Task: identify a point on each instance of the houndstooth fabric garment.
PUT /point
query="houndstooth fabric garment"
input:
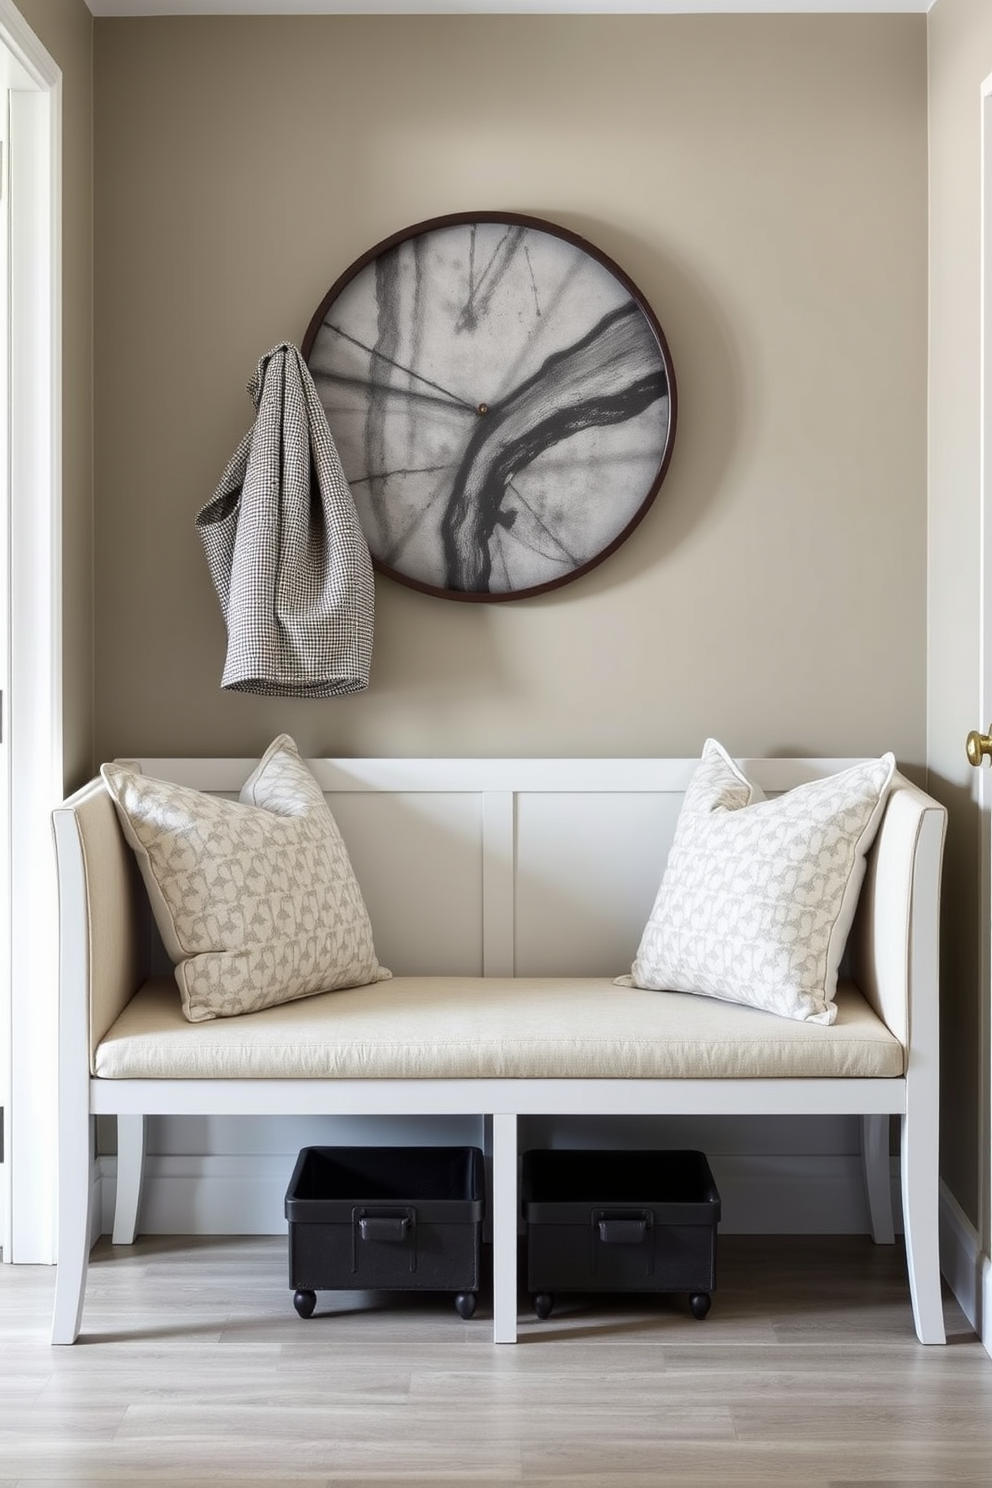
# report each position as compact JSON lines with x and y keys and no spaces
{"x":285,"y":549}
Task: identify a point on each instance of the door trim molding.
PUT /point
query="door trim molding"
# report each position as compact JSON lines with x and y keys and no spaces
{"x":35,"y":670}
{"x":984,"y":1176}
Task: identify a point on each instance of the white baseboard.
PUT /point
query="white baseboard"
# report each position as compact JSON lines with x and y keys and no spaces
{"x":98,"y":1198}
{"x":798,"y":1194}
{"x":813,"y":1194}
{"x":967,"y":1271}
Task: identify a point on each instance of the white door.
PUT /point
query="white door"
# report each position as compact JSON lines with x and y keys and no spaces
{"x":979,"y":745}
{"x":5,"y":1062}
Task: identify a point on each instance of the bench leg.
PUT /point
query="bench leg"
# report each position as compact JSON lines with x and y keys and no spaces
{"x":920,"y":1215}
{"x":75,"y":1178}
{"x":875,"y":1166}
{"x":130,"y":1176}
{"x":505,"y":1206}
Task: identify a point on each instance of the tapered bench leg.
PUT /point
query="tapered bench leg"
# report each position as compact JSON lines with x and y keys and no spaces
{"x":130,"y":1177}
{"x":504,"y":1228}
{"x":878,"y":1188}
{"x":75,"y":1177}
{"x":920,"y":1215}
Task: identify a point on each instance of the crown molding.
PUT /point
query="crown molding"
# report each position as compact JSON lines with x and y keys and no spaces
{"x":505,"y":7}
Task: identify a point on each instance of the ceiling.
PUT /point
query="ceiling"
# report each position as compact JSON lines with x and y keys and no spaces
{"x":505,"y":7}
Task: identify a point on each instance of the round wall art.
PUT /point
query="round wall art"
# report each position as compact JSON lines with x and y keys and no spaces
{"x":502,"y":399}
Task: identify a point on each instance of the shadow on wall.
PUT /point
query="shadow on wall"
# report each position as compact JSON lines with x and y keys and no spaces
{"x":964,"y":1048}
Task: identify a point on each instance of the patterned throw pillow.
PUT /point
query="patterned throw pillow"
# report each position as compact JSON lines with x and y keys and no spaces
{"x":758,"y":896}
{"x":255,"y":899}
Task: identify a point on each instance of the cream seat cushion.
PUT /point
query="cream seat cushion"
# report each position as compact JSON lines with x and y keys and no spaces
{"x":495,"y":1027}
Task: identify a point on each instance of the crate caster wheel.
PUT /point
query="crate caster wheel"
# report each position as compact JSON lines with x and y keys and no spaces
{"x":305,"y":1302}
{"x":543,"y":1303}
{"x":700,"y":1304}
{"x":465,"y":1304}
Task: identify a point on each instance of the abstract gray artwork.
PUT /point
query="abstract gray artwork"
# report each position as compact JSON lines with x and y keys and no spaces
{"x":502,"y":401}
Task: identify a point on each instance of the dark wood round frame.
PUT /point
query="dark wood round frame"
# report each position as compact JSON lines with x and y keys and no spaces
{"x":541,"y":225}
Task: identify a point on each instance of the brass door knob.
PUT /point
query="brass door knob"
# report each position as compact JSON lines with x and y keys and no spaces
{"x":978,"y":747}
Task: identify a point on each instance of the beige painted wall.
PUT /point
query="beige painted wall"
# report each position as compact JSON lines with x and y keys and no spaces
{"x":960,"y":57}
{"x":65,"y":28}
{"x":763,"y":179}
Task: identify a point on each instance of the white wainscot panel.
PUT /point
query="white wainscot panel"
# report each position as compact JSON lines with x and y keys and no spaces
{"x":418,"y":859}
{"x":588,"y":869}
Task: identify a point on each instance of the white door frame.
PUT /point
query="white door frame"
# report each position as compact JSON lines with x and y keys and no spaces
{"x":34,"y":716}
{"x":984,"y":1288}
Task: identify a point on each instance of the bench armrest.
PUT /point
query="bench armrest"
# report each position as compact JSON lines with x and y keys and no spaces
{"x":894,"y":941}
{"x":104,"y":935}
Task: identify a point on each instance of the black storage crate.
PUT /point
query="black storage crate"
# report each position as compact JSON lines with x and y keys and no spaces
{"x":385,"y":1219}
{"x":620,"y":1221}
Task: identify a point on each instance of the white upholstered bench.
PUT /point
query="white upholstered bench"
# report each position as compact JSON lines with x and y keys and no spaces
{"x":505,"y":896}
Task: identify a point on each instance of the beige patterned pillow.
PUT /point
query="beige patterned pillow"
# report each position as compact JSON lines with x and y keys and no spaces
{"x":255,"y":899}
{"x":758,"y":897}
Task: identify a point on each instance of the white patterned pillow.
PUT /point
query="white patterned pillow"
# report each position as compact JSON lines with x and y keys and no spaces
{"x":256,"y":900}
{"x":758,"y":896}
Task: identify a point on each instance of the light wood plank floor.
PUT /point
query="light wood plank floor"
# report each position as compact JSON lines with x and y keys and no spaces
{"x":194,"y":1369}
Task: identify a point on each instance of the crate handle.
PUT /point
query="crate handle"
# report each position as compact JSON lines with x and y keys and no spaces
{"x":623,"y":1229}
{"x":392,"y":1228}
